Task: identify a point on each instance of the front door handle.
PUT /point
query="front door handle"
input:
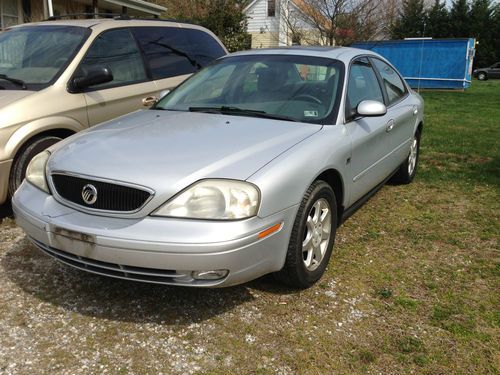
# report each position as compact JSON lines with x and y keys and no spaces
{"x":389,"y":126}
{"x":149,"y":101}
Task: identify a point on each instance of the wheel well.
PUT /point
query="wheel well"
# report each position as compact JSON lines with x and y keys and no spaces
{"x":333,"y":178}
{"x":420,"y":127}
{"x":61,"y":133}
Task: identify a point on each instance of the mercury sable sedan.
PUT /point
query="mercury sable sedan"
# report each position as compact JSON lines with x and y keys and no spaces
{"x":245,"y":169}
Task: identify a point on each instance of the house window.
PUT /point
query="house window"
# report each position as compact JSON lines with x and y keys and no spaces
{"x":8,"y":13}
{"x":271,"y":8}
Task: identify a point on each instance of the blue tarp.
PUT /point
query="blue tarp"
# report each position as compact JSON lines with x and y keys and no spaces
{"x":429,"y":63}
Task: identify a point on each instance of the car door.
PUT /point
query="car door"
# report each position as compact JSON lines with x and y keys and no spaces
{"x":368,"y":164}
{"x":494,"y":71}
{"x":117,"y":50}
{"x":402,"y":112}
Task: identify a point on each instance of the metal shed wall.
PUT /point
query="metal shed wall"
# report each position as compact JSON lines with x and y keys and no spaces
{"x":429,"y":63}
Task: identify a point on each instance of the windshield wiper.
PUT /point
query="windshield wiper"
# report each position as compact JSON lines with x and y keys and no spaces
{"x":18,"y":82}
{"x":226,"y":110}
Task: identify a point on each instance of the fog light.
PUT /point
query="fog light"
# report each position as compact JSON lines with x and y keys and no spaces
{"x":209,"y":275}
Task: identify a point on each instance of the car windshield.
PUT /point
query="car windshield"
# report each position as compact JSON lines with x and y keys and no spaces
{"x":32,"y":56}
{"x":288,"y":87}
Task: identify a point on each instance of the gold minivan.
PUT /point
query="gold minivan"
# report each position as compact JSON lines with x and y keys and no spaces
{"x":59,"y":77}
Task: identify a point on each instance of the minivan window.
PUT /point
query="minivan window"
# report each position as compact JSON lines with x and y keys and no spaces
{"x":204,"y":47}
{"x":37,"y":54}
{"x":172,"y":51}
{"x":116,"y":50}
{"x":167,"y":51}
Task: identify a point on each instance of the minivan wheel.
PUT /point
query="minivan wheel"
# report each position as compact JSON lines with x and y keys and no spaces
{"x":312,"y":237}
{"x":23,"y":158}
{"x":482,"y":76}
{"x":408,"y":169}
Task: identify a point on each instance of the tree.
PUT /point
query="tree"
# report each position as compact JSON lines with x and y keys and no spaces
{"x":459,"y":16}
{"x":333,"y":21}
{"x":437,"y":20}
{"x":224,"y":18}
{"x":411,"y":22}
{"x":481,"y":20}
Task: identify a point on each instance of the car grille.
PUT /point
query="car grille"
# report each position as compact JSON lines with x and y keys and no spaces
{"x":151,"y":275}
{"x":110,"y":197}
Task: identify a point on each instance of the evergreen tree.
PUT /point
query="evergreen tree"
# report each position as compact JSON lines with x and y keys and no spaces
{"x":481,"y":22}
{"x":459,"y":19}
{"x":411,"y":21}
{"x":438,"y":20}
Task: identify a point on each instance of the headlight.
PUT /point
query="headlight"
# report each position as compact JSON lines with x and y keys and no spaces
{"x":35,"y":173}
{"x":214,"y":199}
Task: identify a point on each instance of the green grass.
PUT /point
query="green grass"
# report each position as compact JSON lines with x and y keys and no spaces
{"x":413,"y":285}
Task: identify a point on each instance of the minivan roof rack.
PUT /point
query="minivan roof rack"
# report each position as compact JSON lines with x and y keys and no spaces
{"x":116,"y":16}
{"x":89,"y":15}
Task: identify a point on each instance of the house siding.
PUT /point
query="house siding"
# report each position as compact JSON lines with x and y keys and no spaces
{"x":259,"y":21}
{"x":264,"y":40}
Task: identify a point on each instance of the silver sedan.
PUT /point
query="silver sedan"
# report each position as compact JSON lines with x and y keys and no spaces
{"x":247,"y":168}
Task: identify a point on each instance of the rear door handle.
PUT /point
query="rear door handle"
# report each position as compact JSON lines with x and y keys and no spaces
{"x":149,"y":101}
{"x":389,"y":126}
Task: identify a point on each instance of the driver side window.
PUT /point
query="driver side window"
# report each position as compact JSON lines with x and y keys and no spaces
{"x":362,"y":85}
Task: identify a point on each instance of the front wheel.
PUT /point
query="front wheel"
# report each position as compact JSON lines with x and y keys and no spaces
{"x":482,"y":76}
{"x":312,"y":237}
{"x":24,"y":157}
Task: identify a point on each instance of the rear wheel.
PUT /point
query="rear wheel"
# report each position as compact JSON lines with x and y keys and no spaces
{"x":408,"y":169}
{"x":312,"y":238}
{"x":27,"y":152}
{"x":482,"y":76}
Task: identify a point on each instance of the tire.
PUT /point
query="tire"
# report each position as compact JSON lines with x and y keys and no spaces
{"x":24,"y":156}
{"x":309,"y":239}
{"x":408,"y":169}
{"x":482,"y":76}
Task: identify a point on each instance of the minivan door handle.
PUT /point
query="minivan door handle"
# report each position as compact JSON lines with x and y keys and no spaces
{"x":390,"y":125}
{"x":149,"y":101}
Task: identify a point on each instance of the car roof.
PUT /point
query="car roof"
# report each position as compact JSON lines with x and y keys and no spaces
{"x":338,"y":53}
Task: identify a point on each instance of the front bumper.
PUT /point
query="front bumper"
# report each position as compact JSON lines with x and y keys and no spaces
{"x":153,"y":249}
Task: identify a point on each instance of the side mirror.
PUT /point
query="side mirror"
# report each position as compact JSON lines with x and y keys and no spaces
{"x":91,"y":76}
{"x":371,"y":108}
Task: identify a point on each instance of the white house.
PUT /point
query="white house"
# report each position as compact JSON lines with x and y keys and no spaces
{"x":274,"y":23}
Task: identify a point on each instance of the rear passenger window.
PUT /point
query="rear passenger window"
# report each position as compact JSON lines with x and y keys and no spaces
{"x":117,"y":50}
{"x":172,"y":51}
{"x":392,"y":81}
{"x":204,"y":47}
{"x":363,"y":85}
{"x":167,"y":51}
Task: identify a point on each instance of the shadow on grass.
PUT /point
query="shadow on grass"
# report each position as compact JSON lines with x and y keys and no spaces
{"x":121,"y":300}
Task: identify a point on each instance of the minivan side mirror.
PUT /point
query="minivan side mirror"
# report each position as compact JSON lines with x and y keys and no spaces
{"x":91,"y":76}
{"x":371,"y":108}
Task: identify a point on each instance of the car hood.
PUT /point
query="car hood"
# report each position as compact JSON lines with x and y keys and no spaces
{"x":167,"y":151}
{"x":10,"y":96}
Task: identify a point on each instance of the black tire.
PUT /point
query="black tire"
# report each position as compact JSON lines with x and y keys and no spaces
{"x":403,"y":175}
{"x":482,"y":76}
{"x":24,"y":156}
{"x":294,"y":272}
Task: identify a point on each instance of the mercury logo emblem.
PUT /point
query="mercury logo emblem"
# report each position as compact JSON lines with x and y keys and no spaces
{"x":89,"y":194}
